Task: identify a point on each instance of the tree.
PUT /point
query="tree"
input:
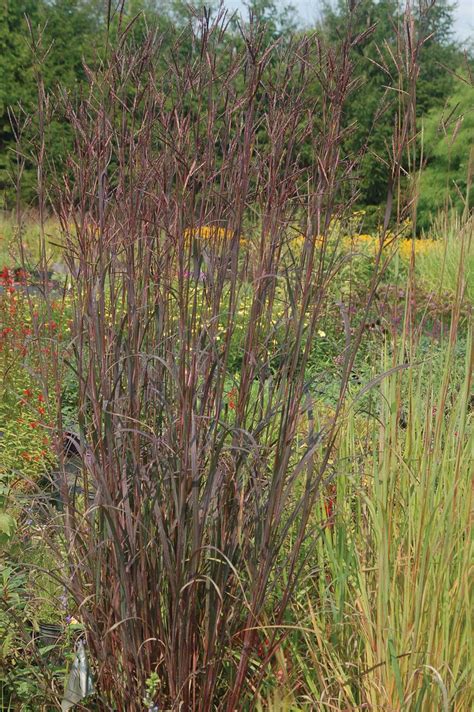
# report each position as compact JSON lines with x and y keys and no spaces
{"x":438,"y":55}
{"x":16,"y":75}
{"x":449,"y":154}
{"x":278,"y":20}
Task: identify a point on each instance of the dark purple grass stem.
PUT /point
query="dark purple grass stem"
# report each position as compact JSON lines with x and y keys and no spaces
{"x":193,"y":501}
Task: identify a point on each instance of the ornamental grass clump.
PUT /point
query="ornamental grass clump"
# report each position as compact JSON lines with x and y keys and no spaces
{"x":438,"y":268}
{"x":398,"y":557}
{"x":186,"y":540}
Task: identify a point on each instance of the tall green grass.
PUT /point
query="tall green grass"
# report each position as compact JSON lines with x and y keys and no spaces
{"x":437,"y":269}
{"x":385,"y":617}
{"x":10,"y":231}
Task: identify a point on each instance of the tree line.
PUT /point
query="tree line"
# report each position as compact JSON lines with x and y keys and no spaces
{"x":54,"y":41}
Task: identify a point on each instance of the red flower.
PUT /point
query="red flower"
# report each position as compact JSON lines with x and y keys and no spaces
{"x":20,"y":275}
{"x":231,"y":398}
{"x":40,"y":397}
{"x":5,"y":276}
{"x":41,"y":410}
{"x":329,"y":507}
{"x":34,"y":424}
{"x":28,"y":392}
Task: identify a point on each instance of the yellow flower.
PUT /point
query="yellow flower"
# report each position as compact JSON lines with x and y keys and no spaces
{"x":321,"y":333}
{"x":297,"y":241}
{"x":421,"y":247}
{"x":208,"y":232}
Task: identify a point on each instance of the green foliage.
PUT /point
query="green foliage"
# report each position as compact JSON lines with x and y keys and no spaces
{"x":279,"y":20}
{"x":29,"y":337}
{"x":440,"y":270}
{"x":371,"y":97}
{"x":71,"y":34}
{"x":397,"y":554}
{"x":75,"y":32}
{"x":152,"y":687}
{"x":31,"y":670}
{"x":447,"y":139}
{"x":30,"y":239}
{"x":17,"y":79}
{"x":7,"y":525}
{"x":374,"y":70}
{"x":24,"y":442}
{"x":438,"y":54}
